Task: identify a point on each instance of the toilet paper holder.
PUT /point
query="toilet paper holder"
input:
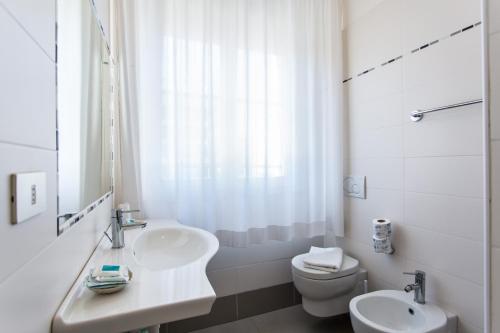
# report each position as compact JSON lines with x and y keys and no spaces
{"x":382,"y":236}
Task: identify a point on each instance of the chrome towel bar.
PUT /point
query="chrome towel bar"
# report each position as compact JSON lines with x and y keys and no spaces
{"x":419,"y":114}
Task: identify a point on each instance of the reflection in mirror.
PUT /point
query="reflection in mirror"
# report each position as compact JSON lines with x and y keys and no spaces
{"x":83,"y":109}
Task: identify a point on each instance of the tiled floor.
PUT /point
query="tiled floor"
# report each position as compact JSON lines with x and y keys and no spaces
{"x":289,"y":320}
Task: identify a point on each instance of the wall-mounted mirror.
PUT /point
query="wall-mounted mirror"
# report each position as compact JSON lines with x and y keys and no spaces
{"x":83,"y":110}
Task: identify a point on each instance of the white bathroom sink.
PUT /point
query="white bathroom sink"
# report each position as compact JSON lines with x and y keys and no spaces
{"x":169,"y":282}
{"x":171,"y":247}
{"x":393,"y":311}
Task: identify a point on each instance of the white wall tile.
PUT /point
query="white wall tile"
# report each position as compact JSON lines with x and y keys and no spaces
{"x":428,"y":20}
{"x":264,"y":274}
{"x":460,"y":176}
{"x":236,"y":270}
{"x":303,"y":245}
{"x":381,"y":173}
{"x":437,"y":177}
{"x":440,"y":136}
{"x":495,"y":85}
{"x":224,"y":281}
{"x":21,"y":242}
{"x":224,"y":258}
{"x":270,"y":251}
{"x":27,"y":82}
{"x":456,"y":216}
{"x":380,"y":267}
{"x":378,"y":204}
{"x":373,"y":31}
{"x":37,"y":289}
{"x":355,"y":9}
{"x":494,"y":15}
{"x":440,"y":251}
{"x":232,"y":264}
{"x":384,"y":111}
{"x":375,"y":283}
{"x":461,"y":297}
{"x":384,"y":142}
{"x":38,"y":17}
{"x":233,"y":257}
{"x":448,"y":72}
{"x":367,"y":88}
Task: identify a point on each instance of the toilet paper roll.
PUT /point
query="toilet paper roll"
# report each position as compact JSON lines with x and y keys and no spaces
{"x":382,"y":245}
{"x":381,"y":228}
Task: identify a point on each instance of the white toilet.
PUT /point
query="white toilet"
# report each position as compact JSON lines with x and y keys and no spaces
{"x":326,"y":294}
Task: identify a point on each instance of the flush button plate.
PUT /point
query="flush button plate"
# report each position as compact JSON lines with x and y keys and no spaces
{"x":354,"y":186}
{"x":28,"y":195}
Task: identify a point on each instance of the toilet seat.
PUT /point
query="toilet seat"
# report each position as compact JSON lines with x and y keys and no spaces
{"x":349,"y":266}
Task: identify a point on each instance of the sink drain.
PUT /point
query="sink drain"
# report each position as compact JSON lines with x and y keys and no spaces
{"x":410,"y":310}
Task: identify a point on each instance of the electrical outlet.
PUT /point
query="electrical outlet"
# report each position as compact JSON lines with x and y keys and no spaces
{"x":29,"y":195}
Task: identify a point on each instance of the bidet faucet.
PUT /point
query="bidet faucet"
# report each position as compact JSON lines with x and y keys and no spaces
{"x":117,"y":227}
{"x":418,"y":286}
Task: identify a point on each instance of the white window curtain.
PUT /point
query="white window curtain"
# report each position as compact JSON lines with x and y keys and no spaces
{"x":231,"y":115}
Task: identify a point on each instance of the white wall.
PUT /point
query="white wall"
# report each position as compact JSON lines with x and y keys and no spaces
{"x":37,"y":267}
{"x":426,"y":176}
{"x":494,"y":44}
{"x":236,"y":270}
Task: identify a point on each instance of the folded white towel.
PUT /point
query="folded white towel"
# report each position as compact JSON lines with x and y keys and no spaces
{"x":324,"y":259}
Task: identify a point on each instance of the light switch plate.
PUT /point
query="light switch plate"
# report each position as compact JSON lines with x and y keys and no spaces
{"x":354,"y":186}
{"x":28,"y":195}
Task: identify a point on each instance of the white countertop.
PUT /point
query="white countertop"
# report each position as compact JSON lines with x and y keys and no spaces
{"x":152,"y":297}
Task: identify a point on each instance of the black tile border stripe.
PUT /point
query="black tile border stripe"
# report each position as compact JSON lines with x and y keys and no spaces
{"x":66,"y":225}
{"x":424,"y":46}
{"x":392,"y":60}
{"x":415,"y":50}
{"x":366,"y":71}
{"x":467,"y":28}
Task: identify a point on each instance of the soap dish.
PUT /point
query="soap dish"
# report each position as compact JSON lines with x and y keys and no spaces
{"x":105,"y":287}
{"x":108,"y":290}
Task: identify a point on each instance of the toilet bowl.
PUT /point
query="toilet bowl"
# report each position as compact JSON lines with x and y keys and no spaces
{"x":326,"y":294}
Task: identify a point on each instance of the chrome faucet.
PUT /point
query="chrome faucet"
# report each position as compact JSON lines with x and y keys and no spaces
{"x":418,"y":286}
{"x":117,"y":227}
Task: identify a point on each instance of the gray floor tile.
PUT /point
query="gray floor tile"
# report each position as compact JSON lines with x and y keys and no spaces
{"x":296,"y":320}
{"x":289,"y":320}
{"x":240,"y":326}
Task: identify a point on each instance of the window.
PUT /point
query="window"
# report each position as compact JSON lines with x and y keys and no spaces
{"x":222,"y":109}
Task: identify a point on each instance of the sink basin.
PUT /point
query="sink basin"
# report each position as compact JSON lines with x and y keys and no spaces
{"x":393,"y":311}
{"x":171,"y":247}
{"x":169,"y":281}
